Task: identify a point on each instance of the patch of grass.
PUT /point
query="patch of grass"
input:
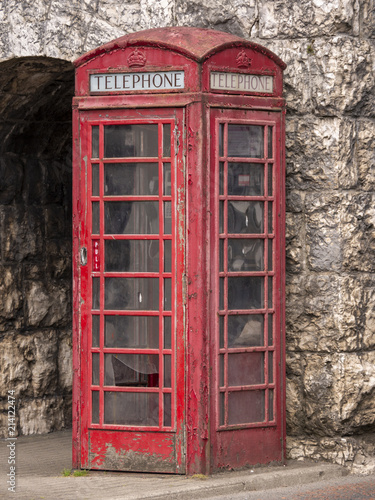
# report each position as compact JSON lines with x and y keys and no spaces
{"x":199,"y":476}
{"x":80,"y":473}
{"x":66,"y":472}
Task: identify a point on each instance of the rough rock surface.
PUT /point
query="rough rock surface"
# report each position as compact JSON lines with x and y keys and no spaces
{"x":329,"y":47}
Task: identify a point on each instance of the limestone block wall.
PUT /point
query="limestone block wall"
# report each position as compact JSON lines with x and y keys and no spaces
{"x":329,"y":47}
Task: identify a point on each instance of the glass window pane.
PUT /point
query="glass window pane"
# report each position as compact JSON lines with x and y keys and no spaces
{"x":132,"y":256}
{"x":245,"y":255}
{"x":95,"y":141}
{"x":167,"y":217}
{"x":128,"y":408}
{"x":167,"y":371}
{"x":221,"y":293}
{"x":166,"y":140}
{"x":123,"y":141}
{"x":95,"y":179}
{"x":167,"y":179}
{"x":270,"y":293}
{"x":270,"y":179}
{"x":270,"y":329}
{"x":95,"y":368}
{"x":96,"y":293}
{"x":270,"y":256}
{"x":245,"y":179}
{"x":246,"y":407}
{"x":167,"y":256}
{"x":167,"y":420}
{"x":221,"y":255}
{"x":167,"y":332}
{"x":222,"y":408}
{"x":221,"y":370}
{"x":131,"y":217}
{"x":246,"y":141}
{"x":270,"y":404}
{"x":95,"y":407}
{"x":95,"y":330}
{"x":270,"y":218}
{"x":246,"y":330}
{"x":126,"y":179}
{"x":270,"y":141}
{"x":95,"y":217}
{"x":246,"y":217}
{"x":131,"y":331}
{"x":270,"y":367}
{"x":221,"y":331}
{"x":131,"y":370}
{"x":221,"y":139}
{"x":246,"y":368}
{"x":167,"y":294}
{"x":221,"y":217}
{"x":132,"y":294}
{"x":221,"y":178}
{"x":245,"y":292}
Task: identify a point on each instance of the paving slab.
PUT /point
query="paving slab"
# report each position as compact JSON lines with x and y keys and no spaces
{"x":40,"y":461}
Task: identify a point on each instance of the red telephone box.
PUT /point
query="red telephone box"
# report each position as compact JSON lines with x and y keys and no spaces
{"x":178,"y":254}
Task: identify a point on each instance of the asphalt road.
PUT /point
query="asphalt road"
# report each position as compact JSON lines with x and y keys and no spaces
{"x":345,"y":488}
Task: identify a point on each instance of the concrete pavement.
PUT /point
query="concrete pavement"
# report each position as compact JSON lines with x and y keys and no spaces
{"x":41,"y":460}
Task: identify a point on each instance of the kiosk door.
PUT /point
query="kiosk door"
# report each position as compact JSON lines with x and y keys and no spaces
{"x":246,"y":274}
{"x":131,"y":319}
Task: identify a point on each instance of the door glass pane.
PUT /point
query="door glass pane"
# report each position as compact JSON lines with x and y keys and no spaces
{"x":95,"y":407}
{"x":126,"y":179}
{"x":167,"y":294}
{"x":270,"y":367}
{"x":167,"y":410}
{"x":221,"y":217}
{"x":270,"y":218}
{"x":270,"y":141}
{"x":95,"y":331}
{"x":245,"y":292}
{"x":167,"y":179}
{"x":167,"y":256}
{"x":221,"y":293}
{"x":222,"y":408}
{"x":246,"y":330}
{"x":270,"y":256}
{"x":131,"y":370}
{"x":128,"y":408}
{"x":270,"y":293}
{"x":246,"y":407}
{"x":167,"y":371}
{"x":245,"y":179}
{"x":132,"y":294}
{"x":95,"y":368}
{"x":270,"y":329}
{"x":167,"y":332}
{"x":132,"y":256}
{"x":95,"y":141}
{"x":221,"y":255}
{"x":132,"y":331}
{"x":131,"y":217}
{"x":270,"y":404}
{"x":123,"y":141}
{"x":167,"y":217}
{"x":95,"y":179}
{"x":221,"y":178}
{"x":95,"y":217}
{"x":246,"y":141}
{"x":246,"y":217}
{"x":221,"y":139}
{"x":245,"y":255}
{"x":96,"y":293}
{"x":270,"y":179}
{"x":221,"y":370}
{"x":166,"y":140}
{"x":246,"y":368}
{"x":221,"y":331}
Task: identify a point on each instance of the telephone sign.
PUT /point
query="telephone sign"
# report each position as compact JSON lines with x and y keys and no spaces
{"x":178,"y":254}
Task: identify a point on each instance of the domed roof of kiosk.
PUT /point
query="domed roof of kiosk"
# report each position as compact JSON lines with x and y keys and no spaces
{"x":195,"y":43}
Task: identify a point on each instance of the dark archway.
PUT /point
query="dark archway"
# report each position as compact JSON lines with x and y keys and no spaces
{"x":35,"y":235}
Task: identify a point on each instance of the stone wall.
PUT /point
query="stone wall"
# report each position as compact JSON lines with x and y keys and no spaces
{"x":329,"y":47}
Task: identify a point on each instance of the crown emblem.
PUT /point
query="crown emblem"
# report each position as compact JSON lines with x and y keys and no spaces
{"x":242,"y":60}
{"x":136,"y":59}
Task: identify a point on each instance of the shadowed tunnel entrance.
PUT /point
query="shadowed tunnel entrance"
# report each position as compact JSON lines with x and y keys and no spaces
{"x":35,"y":235}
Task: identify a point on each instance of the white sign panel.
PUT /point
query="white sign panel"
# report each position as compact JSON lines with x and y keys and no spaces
{"x":241,"y":82}
{"x":156,"y":80}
